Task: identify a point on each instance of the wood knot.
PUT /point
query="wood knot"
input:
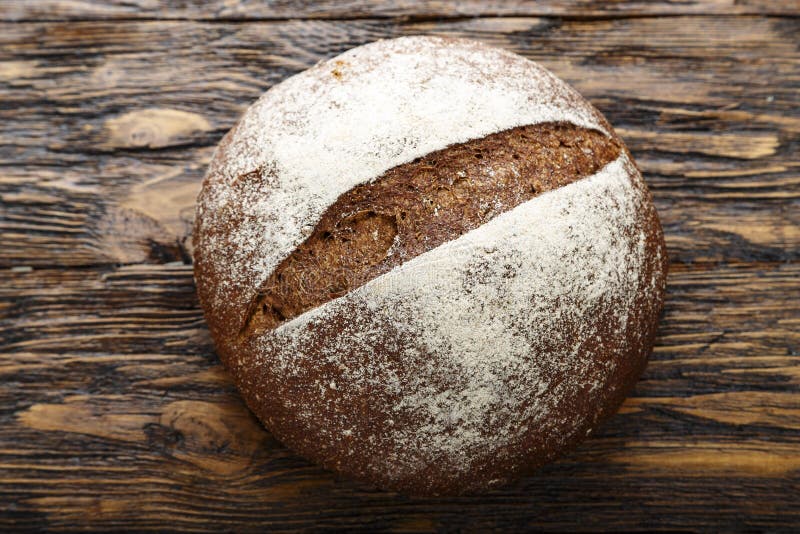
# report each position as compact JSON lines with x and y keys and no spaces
{"x":221,"y":438}
{"x":153,"y":128}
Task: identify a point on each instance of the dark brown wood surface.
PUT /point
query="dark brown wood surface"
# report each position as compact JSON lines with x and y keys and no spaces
{"x":114,"y":410}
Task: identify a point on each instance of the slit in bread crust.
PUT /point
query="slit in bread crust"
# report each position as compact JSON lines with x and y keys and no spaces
{"x":420,"y":205}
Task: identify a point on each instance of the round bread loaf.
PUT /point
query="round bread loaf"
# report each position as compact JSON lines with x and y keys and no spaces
{"x":428,"y":264}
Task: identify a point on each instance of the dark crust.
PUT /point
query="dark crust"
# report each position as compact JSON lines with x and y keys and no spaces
{"x":418,"y":206}
{"x":227,"y":318}
{"x":265,"y":389}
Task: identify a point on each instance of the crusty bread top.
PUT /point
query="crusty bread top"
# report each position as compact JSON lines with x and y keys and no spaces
{"x":487,"y":348}
{"x":480,"y":356}
{"x":344,"y":122}
{"x":417,"y":206}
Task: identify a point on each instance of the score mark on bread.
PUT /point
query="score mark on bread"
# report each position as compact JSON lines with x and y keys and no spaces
{"x":417,"y":206}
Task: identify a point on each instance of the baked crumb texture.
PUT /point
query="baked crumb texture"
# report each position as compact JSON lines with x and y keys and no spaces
{"x":418,"y":206}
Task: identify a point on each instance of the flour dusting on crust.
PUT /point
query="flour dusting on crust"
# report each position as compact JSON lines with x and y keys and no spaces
{"x":484,"y":326}
{"x":346,"y":121}
{"x":485,"y":355}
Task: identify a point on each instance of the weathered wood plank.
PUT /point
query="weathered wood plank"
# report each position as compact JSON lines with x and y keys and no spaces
{"x":106,"y":128}
{"x":226,"y":10}
{"x":115,"y":413}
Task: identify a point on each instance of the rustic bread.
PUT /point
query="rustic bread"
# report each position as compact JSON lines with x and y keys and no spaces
{"x":428,"y":264}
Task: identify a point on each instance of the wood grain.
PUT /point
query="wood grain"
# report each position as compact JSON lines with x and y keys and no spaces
{"x":406,"y":9}
{"x":115,"y":413}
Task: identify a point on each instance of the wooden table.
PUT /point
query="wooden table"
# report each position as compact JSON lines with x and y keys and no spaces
{"x":114,"y":410}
